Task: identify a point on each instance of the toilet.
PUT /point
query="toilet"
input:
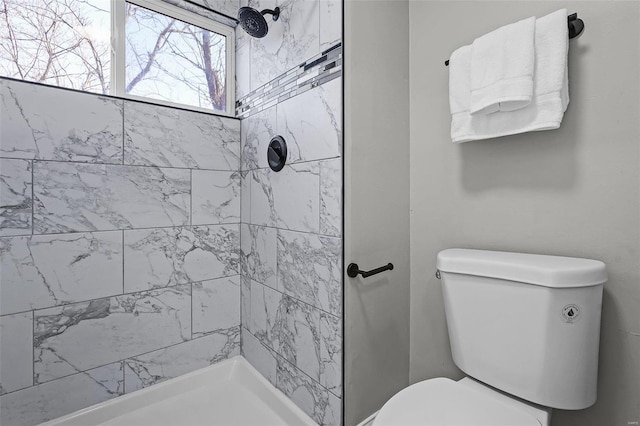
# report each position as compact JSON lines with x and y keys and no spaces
{"x":524,"y":328}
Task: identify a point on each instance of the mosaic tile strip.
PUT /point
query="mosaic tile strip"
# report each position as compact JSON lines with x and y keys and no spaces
{"x":312,"y":73}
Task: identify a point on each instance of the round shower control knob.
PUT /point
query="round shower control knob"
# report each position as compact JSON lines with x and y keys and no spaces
{"x":277,"y":153}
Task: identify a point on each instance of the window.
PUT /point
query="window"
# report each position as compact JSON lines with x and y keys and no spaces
{"x":139,"y":49}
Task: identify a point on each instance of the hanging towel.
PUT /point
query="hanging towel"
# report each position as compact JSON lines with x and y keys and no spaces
{"x":459,"y":83}
{"x":550,"y":88}
{"x":502,"y":68}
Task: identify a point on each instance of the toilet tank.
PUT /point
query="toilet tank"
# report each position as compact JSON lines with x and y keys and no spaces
{"x":526,"y":324}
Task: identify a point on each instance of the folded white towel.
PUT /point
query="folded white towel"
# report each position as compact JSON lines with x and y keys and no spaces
{"x":502,"y":68}
{"x":550,"y":88}
{"x":460,"y":81}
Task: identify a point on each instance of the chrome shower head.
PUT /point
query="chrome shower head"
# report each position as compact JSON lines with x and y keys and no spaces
{"x":253,"y":22}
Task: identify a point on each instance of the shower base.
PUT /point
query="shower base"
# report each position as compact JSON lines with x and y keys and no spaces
{"x":228,"y":393}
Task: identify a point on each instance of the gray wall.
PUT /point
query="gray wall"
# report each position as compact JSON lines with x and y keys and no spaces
{"x":120,"y":220}
{"x":573,"y":191}
{"x":291,"y":233}
{"x":376,"y":203}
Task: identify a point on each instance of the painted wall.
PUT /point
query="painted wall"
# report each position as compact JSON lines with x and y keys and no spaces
{"x":376,"y":203}
{"x":574,"y":191}
{"x":291,"y":246}
{"x":120,"y":247}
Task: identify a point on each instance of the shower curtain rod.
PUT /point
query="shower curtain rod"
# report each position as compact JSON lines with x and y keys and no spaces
{"x":576,"y":27}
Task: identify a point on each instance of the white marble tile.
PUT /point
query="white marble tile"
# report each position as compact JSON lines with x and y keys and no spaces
{"x":245,"y":196}
{"x":259,"y":356}
{"x":33,"y":125}
{"x":157,"y":366}
{"x":164,"y":136}
{"x":311,"y":123}
{"x":330,"y":23}
{"x":243,"y":63}
{"x":167,"y":256}
{"x":298,"y":330}
{"x":228,"y":7}
{"x":16,"y":352}
{"x":287,"y":199}
{"x":81,"y":336}
{"x":15,"y":197}
{"x":216,"y":305}
{"x":258,"y":253}
{"x":257,"y":131}
{"x":42,"y":271}
{"x":265,"y":305}
{"x":37,"y":404}
{"x":331,"y":353}
{"x":332,"y":415}
{"x":291,"y":39}
{"x":320,"y":404}
{"x":331,"y":197}
{"x":87,"y":197}
{"x":245,"y":300}
{"x":309,"y":269}
{"x":215,"y":197}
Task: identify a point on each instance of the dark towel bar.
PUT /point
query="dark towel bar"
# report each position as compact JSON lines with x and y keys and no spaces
{"x":576,"y":27}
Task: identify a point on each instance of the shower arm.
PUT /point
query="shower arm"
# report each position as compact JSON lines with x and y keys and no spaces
{"x":275,"y":13}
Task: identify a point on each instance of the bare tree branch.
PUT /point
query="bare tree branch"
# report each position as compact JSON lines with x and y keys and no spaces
{"x":162,"y":37}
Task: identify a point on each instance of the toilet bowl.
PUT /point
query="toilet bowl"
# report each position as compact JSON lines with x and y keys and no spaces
{"x":444,"y":402}
{"x":525,"y":328}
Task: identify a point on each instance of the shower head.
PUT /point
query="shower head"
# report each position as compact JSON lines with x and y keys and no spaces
{"x":253,"y":22}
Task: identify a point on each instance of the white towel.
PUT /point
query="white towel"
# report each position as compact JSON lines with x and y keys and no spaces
{"x":502,"y":68}
{"x":550,"y":88}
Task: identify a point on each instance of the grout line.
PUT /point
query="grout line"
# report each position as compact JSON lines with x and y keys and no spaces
{"x":123,"y":132}
{"x":131,"y":293}
{"x":278,"y":285}
{"x":316,"y":160}
{"x":123,"y":260}
{"x":151,"y":166}
{"x":319,"y":196}
{"x":294,"y":230}
{"x":33,"y":348}
{"x":33,"y":196}
{"x":124,"y":378}
{"x":95,"y":231}
{"x":296,"y":299}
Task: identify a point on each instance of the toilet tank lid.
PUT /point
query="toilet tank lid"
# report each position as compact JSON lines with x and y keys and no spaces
{"x":543,"y":270}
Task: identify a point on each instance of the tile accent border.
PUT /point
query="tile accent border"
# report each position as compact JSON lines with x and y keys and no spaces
{"x":312,"y":73}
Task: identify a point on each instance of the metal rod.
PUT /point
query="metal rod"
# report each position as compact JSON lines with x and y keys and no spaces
{"x":353,"y":270}
{"x":575,"y":24}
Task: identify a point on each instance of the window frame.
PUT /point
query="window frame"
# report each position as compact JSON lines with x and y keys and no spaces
{"x":118,"y":60}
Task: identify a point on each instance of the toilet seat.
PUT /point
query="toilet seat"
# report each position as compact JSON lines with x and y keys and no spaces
{"x":444,"y":402}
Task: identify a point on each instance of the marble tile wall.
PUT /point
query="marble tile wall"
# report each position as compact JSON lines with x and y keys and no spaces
{"x":119,"y":247}
{"x":305,"y":28}
{"x":291,"y":221}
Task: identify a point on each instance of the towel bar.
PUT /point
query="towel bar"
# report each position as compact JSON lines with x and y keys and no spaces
{"x":576,"y":27}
